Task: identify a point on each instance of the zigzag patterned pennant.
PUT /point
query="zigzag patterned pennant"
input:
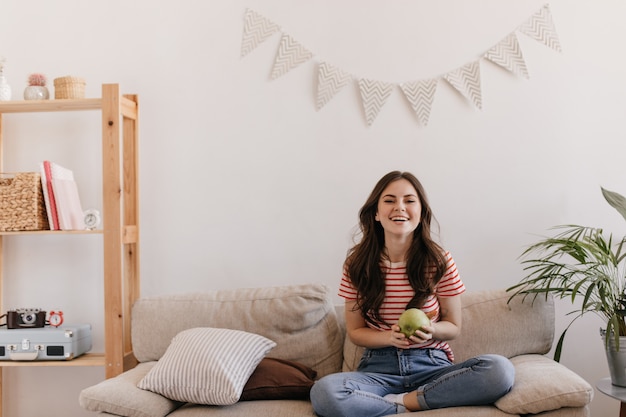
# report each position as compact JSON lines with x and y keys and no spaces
{"x":467,"y":81}
{"x":256,"y":29}
{"x":508,"y":54}
{"x":541,"y":28}
{"x":374,"y":94}
{"x":290,"y":55}
{"x":421,"y":95}
{"x":330,"y":80}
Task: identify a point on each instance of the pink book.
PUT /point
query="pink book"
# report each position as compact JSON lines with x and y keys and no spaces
{"x":51,"y":207}
{"x":69,"y":209}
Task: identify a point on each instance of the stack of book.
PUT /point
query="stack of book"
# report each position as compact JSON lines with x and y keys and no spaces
{"x":61,"y":197}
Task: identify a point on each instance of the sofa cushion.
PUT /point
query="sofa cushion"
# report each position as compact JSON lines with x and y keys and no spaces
{"x":207,"y":365}
{"x":468,"y":411}
{"x":492,"y":324}
{"x":270,"y":408}
{"x":120,"y":396}
{"x":297,"y":317}
{"x":276,"y":379}
{"x":542,"y":384}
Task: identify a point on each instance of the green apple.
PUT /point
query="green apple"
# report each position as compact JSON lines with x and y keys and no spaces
{"x":411,"y":320}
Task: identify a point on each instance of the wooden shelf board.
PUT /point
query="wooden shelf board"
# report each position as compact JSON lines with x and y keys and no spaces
{"x":52,"y":232}
{"x":88,"y":359}
{"x":29,"y":106}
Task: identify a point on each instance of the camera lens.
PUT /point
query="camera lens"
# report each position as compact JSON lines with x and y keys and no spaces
{"x":28,"y":318}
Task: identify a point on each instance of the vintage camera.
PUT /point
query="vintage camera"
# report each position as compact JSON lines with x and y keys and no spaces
{"x":25,"y":318}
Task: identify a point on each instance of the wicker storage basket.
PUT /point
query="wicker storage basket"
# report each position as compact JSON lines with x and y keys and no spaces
{"x":69,"y":87}
{"x":22,"y":206}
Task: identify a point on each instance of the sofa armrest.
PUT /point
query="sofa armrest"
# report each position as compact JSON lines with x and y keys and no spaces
{"x":120,"y":396}
{"x":542,"y":384}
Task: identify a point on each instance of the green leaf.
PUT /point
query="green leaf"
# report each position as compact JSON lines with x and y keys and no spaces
{"x":559,"y":346}
{"x":613,"y":327}
{"x":617,"y":201}
{"x":579,"y":263}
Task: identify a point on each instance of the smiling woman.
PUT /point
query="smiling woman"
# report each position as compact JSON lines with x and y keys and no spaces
{"x":397,"y":266}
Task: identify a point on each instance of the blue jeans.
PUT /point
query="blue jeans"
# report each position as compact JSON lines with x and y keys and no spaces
{"x":439,"y":382}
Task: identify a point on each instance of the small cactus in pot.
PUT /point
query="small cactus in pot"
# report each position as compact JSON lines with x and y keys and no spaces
{"x":36,"y":89}
{"x":37,"y":79}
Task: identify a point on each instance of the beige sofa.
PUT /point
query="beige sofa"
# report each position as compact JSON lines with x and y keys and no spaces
{"x":304,"y":322}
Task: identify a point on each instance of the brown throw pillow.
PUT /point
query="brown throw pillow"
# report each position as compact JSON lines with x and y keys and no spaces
{"x":277,"y":379}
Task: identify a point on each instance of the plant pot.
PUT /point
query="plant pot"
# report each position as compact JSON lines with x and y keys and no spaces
{"x":36,"y":92}
{"x":616,"y":359}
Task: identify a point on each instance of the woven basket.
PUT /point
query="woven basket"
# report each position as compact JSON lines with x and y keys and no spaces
{"x":22,"y":205}
{"x":69,"y":87}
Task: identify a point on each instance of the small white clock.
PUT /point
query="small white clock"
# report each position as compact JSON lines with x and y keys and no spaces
{"x":56,"y":318}
{"x":92,"y":219}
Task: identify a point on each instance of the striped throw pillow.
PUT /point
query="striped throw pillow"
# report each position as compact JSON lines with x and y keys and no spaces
{"x":207,"y":365}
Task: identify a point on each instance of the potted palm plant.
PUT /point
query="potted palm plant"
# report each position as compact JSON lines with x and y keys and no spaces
{"x":587,"y":266}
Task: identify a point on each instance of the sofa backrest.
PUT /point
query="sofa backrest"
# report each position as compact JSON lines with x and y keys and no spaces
{"x":492,"y":324}
{"x":301,"y":319}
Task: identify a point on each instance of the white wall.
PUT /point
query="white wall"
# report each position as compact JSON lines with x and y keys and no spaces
{"x":244,"y":184}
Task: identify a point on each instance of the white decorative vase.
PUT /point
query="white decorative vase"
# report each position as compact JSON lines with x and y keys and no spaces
{"x":36,"y":92}
{"x":5,"y":89}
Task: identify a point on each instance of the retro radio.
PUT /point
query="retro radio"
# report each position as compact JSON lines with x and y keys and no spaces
{"x":45,"y":343}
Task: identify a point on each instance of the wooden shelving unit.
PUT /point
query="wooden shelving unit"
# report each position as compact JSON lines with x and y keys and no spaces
{"x":120,"y":221}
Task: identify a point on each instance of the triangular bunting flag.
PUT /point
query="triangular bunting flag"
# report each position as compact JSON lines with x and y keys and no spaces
{"x":256,"y":29}
{"x":541,"y":28}
{"x":374,"y":94}
{"x":290,"y":55}
{"x":421,"y":95}
{"x":330,"y":80}
{"x":467,"y":81}
{"x":508,"y":54}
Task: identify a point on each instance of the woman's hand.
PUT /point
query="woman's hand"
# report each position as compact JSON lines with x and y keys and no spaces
{"x":423,"y":335}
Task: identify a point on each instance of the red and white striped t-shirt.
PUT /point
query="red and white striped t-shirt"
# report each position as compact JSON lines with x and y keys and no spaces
{"x":398,"y":293}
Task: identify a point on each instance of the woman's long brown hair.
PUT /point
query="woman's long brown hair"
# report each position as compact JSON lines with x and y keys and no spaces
{"x":425,"y":263}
